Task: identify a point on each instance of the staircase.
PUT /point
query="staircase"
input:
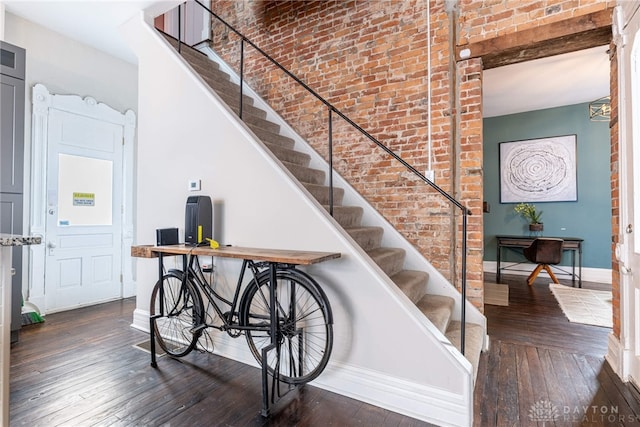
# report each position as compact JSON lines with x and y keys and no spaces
{"x":437,"y":308}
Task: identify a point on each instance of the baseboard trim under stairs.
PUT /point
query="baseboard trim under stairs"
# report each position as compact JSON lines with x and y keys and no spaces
{"x":434,"y":298}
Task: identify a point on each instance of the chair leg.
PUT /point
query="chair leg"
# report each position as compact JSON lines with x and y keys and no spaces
{"x":534,"y":274}
{"x":553,"y":276}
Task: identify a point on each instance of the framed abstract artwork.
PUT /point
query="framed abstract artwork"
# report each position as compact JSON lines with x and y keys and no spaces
{"x":539,"y":170}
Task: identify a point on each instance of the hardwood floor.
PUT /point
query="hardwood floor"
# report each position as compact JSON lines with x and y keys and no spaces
{"x":80,"y":368}
{"x":538,"y":360}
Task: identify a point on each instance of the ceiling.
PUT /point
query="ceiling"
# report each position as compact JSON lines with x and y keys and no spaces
{"x":572,"y":78}
{"x":94,"y":22}
{"x":550,"y":82}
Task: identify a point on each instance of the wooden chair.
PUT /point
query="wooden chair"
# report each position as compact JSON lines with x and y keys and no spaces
{"x":544,"y":252}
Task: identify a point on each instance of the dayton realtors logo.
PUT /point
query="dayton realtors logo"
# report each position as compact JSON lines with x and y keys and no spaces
{"x":545,"y":411}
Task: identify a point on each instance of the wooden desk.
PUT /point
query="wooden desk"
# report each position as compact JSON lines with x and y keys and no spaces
{"x":573,"y":244}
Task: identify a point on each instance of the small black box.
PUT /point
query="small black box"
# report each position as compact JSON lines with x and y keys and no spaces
{"x":166,"y":236}
{"x":198,"y":220}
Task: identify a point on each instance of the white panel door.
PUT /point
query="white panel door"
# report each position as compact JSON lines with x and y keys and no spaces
{"x":84,"y":220}
{"x":628,"y":252}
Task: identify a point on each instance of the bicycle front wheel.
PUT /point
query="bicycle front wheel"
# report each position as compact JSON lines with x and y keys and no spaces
{"x":176,"y":311}
{"x":304,"y":336}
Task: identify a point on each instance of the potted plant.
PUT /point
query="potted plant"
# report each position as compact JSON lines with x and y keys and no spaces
{"x":529,"y":212}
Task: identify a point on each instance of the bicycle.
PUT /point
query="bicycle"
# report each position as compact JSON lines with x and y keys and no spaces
{"x":282,"y":311}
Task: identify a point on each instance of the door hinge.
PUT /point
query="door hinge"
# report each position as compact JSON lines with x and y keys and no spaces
{"x":121,"y":278}
{"x":123,"y":140}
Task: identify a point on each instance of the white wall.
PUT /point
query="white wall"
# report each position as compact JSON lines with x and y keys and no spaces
{"x":2,"y":14}
{"x":385,"y":351}
{"x":66,"y":66}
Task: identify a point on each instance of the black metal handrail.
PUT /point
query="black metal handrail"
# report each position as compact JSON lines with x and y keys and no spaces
{"x":333,"y":110}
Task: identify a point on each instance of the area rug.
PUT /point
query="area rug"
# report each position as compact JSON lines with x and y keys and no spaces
{"x":496,"y":294}
{"x":584,"y":305}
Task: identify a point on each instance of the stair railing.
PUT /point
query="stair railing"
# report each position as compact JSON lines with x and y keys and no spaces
{"x":331,"y":111}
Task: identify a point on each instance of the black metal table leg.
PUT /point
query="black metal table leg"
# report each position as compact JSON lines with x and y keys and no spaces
{"x":573,"y":268}
{"x":267,"y":396}
{"x":152,"y":335}
{"x":498,"y":264}
{"x":580,"y":264}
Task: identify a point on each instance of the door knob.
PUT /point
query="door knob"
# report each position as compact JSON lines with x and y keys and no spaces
{"x":51,"y":245}
{"x":52,"y":211}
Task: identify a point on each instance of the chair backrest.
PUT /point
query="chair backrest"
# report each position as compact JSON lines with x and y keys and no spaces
{"x":545,"y":251}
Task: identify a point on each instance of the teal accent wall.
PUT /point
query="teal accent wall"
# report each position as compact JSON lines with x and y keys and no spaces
{"x":589,"y":217}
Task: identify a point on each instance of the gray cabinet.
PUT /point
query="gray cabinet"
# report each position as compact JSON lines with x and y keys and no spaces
{"x":12,"y":99}
{"x":12,"y":95}
{"x":11,"y":222}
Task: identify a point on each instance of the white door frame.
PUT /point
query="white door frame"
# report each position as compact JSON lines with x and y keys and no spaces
{"x":43,"y":102}
{"x":623,"y":353}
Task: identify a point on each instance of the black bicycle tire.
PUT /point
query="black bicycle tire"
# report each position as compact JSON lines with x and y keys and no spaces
{"x":313,"y":290}
{"x":193,"y":316}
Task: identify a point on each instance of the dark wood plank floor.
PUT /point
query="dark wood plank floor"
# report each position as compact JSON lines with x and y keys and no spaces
{"x":80,"y":368}
{"x":538,"y":360}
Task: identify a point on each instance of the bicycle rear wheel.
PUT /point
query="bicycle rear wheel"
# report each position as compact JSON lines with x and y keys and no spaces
{"x":176,"y":310}
{"x":305,"y":333}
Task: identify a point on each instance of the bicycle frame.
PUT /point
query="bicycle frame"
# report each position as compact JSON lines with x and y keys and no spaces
{"x":282,"y":311}
{"x":200,"y":282}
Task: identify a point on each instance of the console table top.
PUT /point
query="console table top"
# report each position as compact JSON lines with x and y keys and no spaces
{"x":256,"y":254}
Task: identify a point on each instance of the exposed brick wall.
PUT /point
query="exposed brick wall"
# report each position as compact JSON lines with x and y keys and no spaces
{"x":487,"y":19}
{"x":469,"y":169}
{"x":369,"y":59}
{"x":615,"y":189}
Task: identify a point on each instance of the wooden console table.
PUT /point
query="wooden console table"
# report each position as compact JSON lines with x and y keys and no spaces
{"x":573,"y":244}
{"x":277,"y":261}
{"x":255,"y":254}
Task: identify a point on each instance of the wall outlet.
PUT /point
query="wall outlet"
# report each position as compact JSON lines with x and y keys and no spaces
{"x":430,"y":175}
{"x":194,"y":185}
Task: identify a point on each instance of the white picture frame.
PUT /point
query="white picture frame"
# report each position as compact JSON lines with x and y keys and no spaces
{"x":539,"y":170}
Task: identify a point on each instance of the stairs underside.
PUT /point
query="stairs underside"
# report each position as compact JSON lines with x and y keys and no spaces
{"x":438,"y":309}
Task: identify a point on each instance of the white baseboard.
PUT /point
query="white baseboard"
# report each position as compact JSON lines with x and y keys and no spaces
{"x":418,"y":401}
{"x":615,"y":356}
{"x":141,"y":320}
{"x":598,"y":275}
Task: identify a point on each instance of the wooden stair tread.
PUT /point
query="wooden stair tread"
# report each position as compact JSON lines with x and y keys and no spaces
{"x":367,"y":237}
{"x":412,"y":283}
{"x":321,"y":193}
{"x":473,"y":342}
{"x":305,"y":174}
{"x":289,"y":155}
{"x":438,"y":309}
{"x":389,"y":259}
